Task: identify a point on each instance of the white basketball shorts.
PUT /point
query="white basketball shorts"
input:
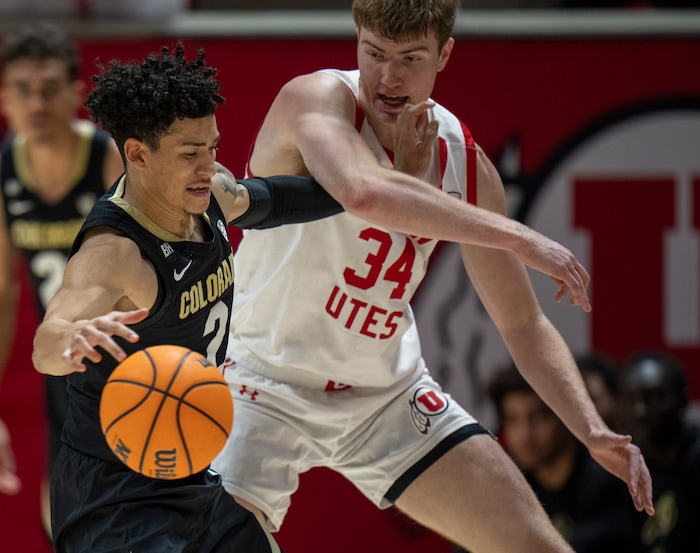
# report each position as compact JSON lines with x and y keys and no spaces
{"x":380,"y":439}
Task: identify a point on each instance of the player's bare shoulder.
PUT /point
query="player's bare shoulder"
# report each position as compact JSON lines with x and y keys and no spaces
{"x":312,"y":87}
{"x":305,"y":108}
{"x":490,"y":189}
{"x":297,"y":107}
{"x":308,"y":97}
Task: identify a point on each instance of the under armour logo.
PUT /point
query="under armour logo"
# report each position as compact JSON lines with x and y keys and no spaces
{"x":336,"y":386}
{"x":244,"y":391}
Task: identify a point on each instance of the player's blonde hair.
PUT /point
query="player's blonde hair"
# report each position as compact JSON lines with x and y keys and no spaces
{"x":402,"y":20}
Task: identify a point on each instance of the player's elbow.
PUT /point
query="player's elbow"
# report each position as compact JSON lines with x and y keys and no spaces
{"x":38,"y":361}
{"x":361,"y":196}
{"x":40,"y":357}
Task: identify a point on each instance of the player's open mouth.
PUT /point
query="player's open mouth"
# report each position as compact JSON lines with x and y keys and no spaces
{"x":393,"y":101}
{"x":199,"y":189}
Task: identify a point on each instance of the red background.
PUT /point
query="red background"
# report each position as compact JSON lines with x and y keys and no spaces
{"x":543,"y":90}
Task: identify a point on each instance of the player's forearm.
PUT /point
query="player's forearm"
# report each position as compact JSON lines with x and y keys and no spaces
{"x":545,"y":361}
{"x":399,"y":202}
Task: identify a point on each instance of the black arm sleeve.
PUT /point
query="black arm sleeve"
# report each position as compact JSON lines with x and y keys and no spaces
{"x":282,"y":200}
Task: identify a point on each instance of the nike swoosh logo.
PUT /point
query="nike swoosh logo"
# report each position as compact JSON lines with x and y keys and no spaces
{"x":19,"y":207}
{"x":177,"y":275}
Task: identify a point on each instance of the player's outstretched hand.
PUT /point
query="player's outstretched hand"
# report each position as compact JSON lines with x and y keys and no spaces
{"x":553,"y":259}
{"x":619,"y":456}
{"x":86,"y":335}
{"x":9,"y":481}
{"x":413,"y":141}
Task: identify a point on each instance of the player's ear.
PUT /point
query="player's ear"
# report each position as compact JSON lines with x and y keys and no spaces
{"x":445,"y":52}
{"x":135,"y":153}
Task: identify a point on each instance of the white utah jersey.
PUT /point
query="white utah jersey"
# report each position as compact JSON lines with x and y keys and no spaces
{"x":327,"y":302}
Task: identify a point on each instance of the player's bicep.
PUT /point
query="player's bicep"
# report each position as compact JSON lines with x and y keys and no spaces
{"x":107,"y":273}
{"x":499,"y":277}
{"x":311,"y":128}
{"x":490,"y":190}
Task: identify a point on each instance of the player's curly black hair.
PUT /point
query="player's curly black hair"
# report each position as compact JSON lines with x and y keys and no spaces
{"x":142,"y":100}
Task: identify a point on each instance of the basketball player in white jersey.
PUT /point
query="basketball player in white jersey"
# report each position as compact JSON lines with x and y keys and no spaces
{"x":324,"y":359}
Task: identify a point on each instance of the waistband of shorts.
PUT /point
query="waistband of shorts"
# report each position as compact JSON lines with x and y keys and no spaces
{"x":303,"y":379}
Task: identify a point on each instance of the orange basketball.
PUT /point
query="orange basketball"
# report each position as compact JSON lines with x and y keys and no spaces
{"x":166,"y":412}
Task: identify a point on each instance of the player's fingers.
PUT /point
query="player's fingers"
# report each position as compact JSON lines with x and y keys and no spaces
{"x":576,"y":283}
{"x":415,"y":111}
{"x":645,"y":492}
{"x":633,"y":476}
{"x":581,"y":298}
{"x":74,"y":354}
{"x":84,"y":344}
{"x":131,"y":317}
{"x":9,"y":481}
{"x":638,"y":478}
{"x":429,"y":135}
{"x":114,"y":324}
{"x":583,"y":279}
{"x":105,"y":341}
{"x":583,"y":273}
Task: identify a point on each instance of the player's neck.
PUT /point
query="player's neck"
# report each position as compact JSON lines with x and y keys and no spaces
{"x":174,"y":221}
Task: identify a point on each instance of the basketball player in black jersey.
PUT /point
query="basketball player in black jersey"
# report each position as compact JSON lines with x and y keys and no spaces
{"x":132,"y":282}
{"x":51,"y":173}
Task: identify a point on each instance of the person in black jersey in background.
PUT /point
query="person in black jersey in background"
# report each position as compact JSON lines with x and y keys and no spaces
{"x":52,"y":171}
{"x":587,"y":505}
{"x":655,"y":396}
{"x":120,"y":294}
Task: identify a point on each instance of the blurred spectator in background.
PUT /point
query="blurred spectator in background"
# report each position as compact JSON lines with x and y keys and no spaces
{"x":655,"y":397}
{"x":588,"y":505}
{"x":133,"y":9}
{"x":51,"y":172}
{"x":602,"y":378}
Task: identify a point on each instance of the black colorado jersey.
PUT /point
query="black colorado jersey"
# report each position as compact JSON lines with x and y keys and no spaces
{"x":192,"y":309}
{"x":44,"y":232}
